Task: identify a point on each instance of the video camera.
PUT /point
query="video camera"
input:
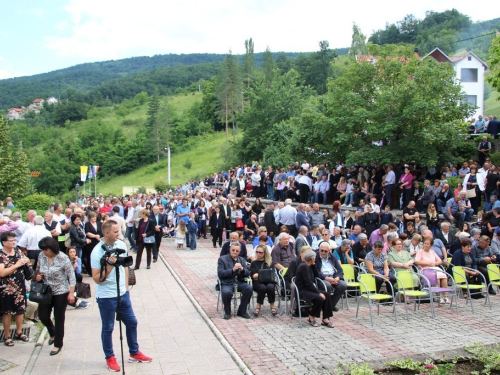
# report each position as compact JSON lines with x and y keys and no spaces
{"x":120,"y":261}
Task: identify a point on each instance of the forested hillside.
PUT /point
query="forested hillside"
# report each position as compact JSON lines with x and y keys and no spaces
{"x":117,"y":79}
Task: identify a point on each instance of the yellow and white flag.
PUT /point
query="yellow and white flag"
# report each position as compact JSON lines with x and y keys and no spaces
{"x":83,"y":172}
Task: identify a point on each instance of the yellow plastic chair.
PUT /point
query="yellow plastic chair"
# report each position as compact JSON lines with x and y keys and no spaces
{"x":493,"y":275}
{"x":461,"y":282}
{"x":405,"y":288}
{"x":350,"y":279}
{"x":369,"y":291}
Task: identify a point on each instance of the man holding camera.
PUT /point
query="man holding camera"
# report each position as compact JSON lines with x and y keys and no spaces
{"x":232,"y":271}
{"x":103,"y":259}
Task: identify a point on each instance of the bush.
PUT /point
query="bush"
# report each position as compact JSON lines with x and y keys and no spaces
{"x":38,"y":202}
{"x":453,"y":182}
{"x":141,"y":190}
{"x":495,"y":158}
{"x":160,"y":185}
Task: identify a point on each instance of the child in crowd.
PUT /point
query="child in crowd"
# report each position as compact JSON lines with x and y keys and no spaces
{"x":180,"y":234}
{"x":192,"y":228}
{"x":386,"y":216}
{"x":170,"y":229}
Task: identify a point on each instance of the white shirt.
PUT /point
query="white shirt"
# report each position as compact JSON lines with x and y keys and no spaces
{"x":304,"y":179}
{"x":21,"y":229}
{"x":130,"y":217}
{"x":29,"y":240}
{"x":256,"y":178}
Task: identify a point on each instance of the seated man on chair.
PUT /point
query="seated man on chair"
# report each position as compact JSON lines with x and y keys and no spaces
{"x":330,"y":271}
{"x":232,"y":269}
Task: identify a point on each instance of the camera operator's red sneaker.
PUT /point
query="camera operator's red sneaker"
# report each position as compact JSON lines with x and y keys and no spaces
{"x":139,"y":357}
{"x":112,"y":365}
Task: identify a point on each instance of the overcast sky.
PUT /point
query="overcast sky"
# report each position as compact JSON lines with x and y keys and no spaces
{"x":41,"y":36}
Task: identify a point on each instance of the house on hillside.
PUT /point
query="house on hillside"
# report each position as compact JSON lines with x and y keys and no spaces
{"x":469,"y":70}
{"x":38,"y":103}
{"x":52,"y":100}
{"x":16,"y":113}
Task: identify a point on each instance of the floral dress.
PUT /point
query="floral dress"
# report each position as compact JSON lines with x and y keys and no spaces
{"x":12,"y":287}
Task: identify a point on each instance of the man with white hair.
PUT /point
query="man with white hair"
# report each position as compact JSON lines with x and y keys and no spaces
{"x":29,"y":240}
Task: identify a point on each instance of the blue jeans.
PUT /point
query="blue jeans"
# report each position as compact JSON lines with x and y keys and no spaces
{"x":316,"y":197}
{"x":468,"y":214}
{"x":107,"y":308}
{"x":192,"y":240}
{"x":349,"y":199}
{"x":270,"y":191}
{"x":440,"y":205}
{"x":128,"y":234}
{"x":79,"y":251}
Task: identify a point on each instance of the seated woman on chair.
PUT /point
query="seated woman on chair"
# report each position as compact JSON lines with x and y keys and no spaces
{"x":427,"y":258}
{"x":464,"y":258}
{"x":262,"y":261}
{"x":376,"y":264}
{"x":305,"y":281}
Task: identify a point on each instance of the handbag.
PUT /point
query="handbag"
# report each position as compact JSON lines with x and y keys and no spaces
{"x":471,"y":193}
{"x":239,"y":224}
{"x":131,"y":276}
{"x":40,"y":293}
{"x":83,"y":290}
{"x":149,"y":239}
{"x":67,"y":241}
{"x":266,"y":275}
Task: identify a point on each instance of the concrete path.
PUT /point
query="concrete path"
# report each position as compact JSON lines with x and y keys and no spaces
{"x":170,"y":330}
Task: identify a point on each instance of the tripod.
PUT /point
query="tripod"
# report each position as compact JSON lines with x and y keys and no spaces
{"x":119,"y":313}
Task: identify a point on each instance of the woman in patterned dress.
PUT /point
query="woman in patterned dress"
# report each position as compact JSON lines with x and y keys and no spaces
{"x":12,"y":287}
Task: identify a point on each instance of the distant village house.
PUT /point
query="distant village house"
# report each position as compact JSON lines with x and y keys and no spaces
{"x":18,"y":113}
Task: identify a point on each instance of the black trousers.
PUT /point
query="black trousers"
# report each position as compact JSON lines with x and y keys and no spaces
{"x":156,"y":248}
{"x":388,"y":194}
{"x":262,"y":290}
{"x":59,"y":304}
{"x":140,"y":249}
{"x":86,"y":259}
{"x":217,"y":235}
{"x":304,"y":192}
{"x":318,"y":304}
{"x":227,"y":294}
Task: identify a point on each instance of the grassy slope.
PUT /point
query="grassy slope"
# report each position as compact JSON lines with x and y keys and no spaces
{"x":492,"y":104}
{"x":205,"y":157}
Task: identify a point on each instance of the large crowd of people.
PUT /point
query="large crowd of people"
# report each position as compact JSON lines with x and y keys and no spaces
{"x":264,"y":219}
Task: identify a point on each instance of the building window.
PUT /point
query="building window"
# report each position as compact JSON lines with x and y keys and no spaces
{"x":471,"y":99}
{"x":469,"y":75}
{"x":469,"y":58}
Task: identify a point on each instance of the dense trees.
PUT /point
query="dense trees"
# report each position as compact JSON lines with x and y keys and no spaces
{"x":494,"y":78}
{"x":14,"y":172}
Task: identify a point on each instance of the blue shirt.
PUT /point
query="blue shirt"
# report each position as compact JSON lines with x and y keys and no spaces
{"x":479,"y":124}
{"x":121,"y":209}
{"x":323,"y":186}
{"x":183,"y":210}
{"x":353,"y":237}
{"x":454,"y":206}
{"x":107,"y":288}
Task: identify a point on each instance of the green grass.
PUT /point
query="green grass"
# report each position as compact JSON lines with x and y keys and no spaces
{"x":492,"y":104}
{"x":205,"y":158}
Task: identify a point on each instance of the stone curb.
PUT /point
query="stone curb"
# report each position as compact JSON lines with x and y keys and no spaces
{"x":225,"y":344}
{"x":36,"y":352}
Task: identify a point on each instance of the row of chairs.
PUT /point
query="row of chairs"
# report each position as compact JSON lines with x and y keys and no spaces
{"x":365,"y":287}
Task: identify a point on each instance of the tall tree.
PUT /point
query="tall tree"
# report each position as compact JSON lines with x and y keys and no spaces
{"x":14,"y":172}
{"x":153,"y":123}
{"x":394,"y":111}
{"x":249,"y":61}
{"x":316,"y":67}
{"x":229,"y":92}
{"x":494,"y":78}
{"x":358,"y":44}
{"x":268,"y":66}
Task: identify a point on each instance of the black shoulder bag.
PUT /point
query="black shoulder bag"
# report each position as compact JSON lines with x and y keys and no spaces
{"x":266,"y":275}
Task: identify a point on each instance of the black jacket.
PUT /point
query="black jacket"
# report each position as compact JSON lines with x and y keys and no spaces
{"x":447,"y":241}
{"x":214,"y":222}
{"x":305,"y":279}
{"x":162,"y":219}
{"x":227,"y":246}
{"x":225,"y":272}
{"x":334,"y":261}
{"x":78,"y":237}
{"x":269,"y":221}
{"x":150,"y":229}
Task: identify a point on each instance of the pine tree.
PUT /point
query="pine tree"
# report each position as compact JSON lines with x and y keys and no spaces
{"x":14,"y":171}
{"x":249,"y":61}
{"x":268,"y":66}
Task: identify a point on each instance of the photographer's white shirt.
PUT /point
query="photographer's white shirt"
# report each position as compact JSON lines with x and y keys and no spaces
{"x":107,"y":288}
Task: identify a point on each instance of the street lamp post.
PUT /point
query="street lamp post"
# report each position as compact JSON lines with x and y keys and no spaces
{"x":77,"y":188}
{"x":168,"y":157}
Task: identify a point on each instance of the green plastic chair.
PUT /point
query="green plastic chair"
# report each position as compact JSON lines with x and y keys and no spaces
{"x":405,"y":288}
{"x":350,"y":279}
{"x":369,"y":291}
{"x":472,"y":289}
{"x":493,"y":275}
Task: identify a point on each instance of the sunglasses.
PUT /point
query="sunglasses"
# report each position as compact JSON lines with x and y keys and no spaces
{"x":259,"y":252}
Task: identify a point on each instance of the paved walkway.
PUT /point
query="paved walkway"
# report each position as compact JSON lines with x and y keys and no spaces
{"x":170,"y":330}
{"x":278,"y":346}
